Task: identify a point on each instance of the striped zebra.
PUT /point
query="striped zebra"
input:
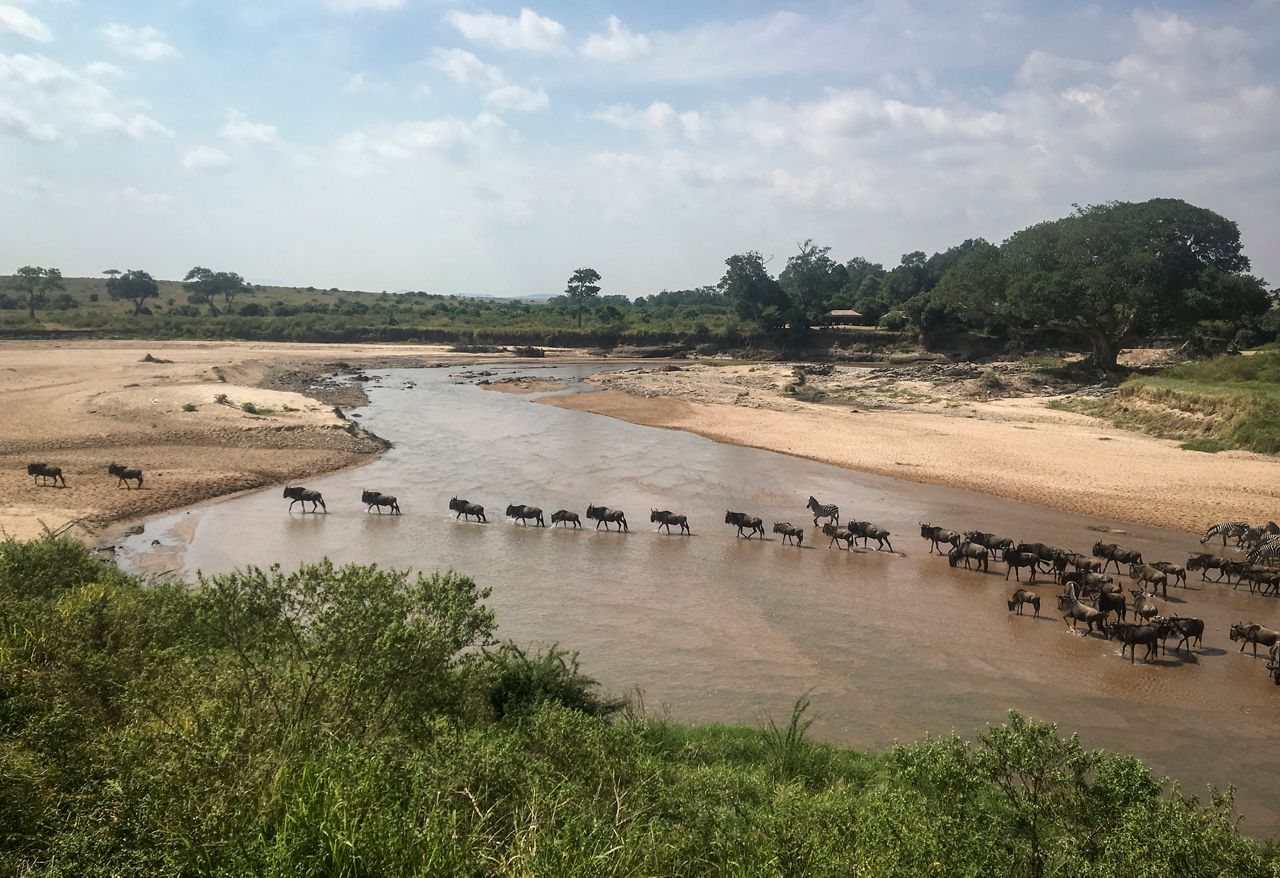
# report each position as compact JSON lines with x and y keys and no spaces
{"x":1233,"y":529}
{"x":1266,"y":552}
{"x":823,"y":510}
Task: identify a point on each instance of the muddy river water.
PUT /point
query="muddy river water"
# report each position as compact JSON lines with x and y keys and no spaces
{"x":720,"y":629}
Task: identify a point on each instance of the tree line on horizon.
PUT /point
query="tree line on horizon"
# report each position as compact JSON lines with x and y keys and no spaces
{"x":1100,"y":277}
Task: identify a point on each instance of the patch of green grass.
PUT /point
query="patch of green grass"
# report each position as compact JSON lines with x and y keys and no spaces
{"x":188,"y":406}
{"x":1204,"y":443}
{"x":252,"y":409}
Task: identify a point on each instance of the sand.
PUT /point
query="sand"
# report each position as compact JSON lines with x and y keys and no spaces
{"x":523,"y":385}
{"x":1014,"y":447}
{"x":84,"y":405}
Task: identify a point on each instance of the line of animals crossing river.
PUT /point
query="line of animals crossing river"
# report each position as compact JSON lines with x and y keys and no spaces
{"x":1089,"y":596}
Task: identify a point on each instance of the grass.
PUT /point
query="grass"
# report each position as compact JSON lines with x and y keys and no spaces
{"x":1219,"y":404}
{"x":256,"y":409}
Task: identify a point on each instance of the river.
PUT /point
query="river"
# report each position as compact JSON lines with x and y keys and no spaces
{"x":719,"y":629}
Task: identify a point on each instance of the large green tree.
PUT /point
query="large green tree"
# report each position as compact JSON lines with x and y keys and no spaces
{"x":204,"y":286}
{"x":36,"y":284}
{"x":811,"y":280}
{"x":584,"y":285}
{"x":135,"y":286}
{"x":753,"y":292}
{"x":1110,"y":272}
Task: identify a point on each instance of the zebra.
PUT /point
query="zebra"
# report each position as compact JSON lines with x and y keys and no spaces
{"x":789,"y":532}
{"x":124,"y":475}
{"x":521,"y":513}
{"x":376,"y":498}
{"x":1233,"y":529}
{"x":604,"y":515}
{"x":823,"y":510}
{"x":565,"y":517}
{"x":666,"y":518}
{"x":45,"y":471}
{"x":299,"y":494}
{"x":462,"y":507}
{"x":1267,"y":552}
{"x":741,"y":519}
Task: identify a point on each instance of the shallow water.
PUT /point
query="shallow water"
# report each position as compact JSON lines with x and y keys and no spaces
{"x":718,"y":628}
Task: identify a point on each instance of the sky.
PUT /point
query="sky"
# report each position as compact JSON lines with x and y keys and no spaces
{"x":493,"y":148}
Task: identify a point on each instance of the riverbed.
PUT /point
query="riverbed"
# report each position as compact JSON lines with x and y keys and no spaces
{"x":713,"y":628}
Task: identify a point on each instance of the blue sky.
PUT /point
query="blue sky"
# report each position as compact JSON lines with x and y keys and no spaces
{"x":493,"y":148}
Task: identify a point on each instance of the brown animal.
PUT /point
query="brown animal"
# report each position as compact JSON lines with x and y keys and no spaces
{"x":1023,"y":596}
{"x":1078,"y":612}
{"x":1168,"y":568}
{"x":1254,"y":633}
{"x":1149,"y":575}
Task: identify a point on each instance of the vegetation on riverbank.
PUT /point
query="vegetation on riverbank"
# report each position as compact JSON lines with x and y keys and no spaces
{"x":1227,"y":402}
{"x":361,"y":721}
{"x":1102,"y":277}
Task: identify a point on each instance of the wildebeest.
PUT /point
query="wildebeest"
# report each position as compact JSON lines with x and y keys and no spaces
{"x":866,"y":531}
{"x":666,"y":518}
{"x":565,"y":517}
{"x":1254,"y":633}
{"x":1017,"y":560}
{"x":936,"y":535}
{"x":1112,"y":603}
{"x":1024,"y":596}
{"x":1130,"y":634}
{"x":45,"y":471}
{"x":1168,"y":568}
{"x":1082,"y":562}
{"x":376,"y":500}
{"x":124,"y":475}
{"x":1149,"y":575}
{"x":1233,"y":529}
{"x":823,"y":510}
{"x":299,"y":494}
{"x":1188,"y":630}
{"x":1046,"y":553}
{"x":1204,"y":562}
{"x":1113,"y":554}
{"x":523,"y":513}
{"x":604,"y":515}
{"x":1090,"y":583}
{"x":742,"y":520}
{"x":989,"y":541}
{"x":838,"y":535}
{"x":971,"y":554}
{"x":1079,"y":612}
{"x":789,"y":532}
{"x":1144,"y":604}
{"x":1261,"y":580}
{"x":462,"y":507}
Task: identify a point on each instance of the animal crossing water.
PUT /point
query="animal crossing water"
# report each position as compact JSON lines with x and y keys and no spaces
{"x":715,"y":628}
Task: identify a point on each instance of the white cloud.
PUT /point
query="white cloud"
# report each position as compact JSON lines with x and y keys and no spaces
{"x":362,"y":151}
{"x":462,"y":66}
{"x":205,"y":158}
{"x":142,"y":43}
{"x":22,"y":23}
{"x":158,"y":201}
{"x":350,"y":6}
{"x":517,"y":97}
{"x":45,"y":100}
{"x":104,"y":70}
{"x":658,"y":118}
{"x":238,"y":129}
{"x":530,"y":32}
{"x":618,"y":44}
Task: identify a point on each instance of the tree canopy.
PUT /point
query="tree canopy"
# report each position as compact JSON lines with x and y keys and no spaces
{"x":36,"y":284}
{"x":135,"y":286}
{"x":204,"y":286}
{"x":584,"y":285}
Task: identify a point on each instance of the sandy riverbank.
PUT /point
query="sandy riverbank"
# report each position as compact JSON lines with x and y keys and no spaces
{"x":83,"y":405}
{"x":959,"y":433}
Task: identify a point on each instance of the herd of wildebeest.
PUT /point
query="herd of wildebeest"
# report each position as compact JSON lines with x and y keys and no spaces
{"x":1089,"y":595}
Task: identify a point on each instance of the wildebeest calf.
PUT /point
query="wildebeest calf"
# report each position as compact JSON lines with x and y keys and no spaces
{"x":377,"y":499}
{"x":565,"y":517}
{"x":1025,"y":596}
{"x":789,"y":532}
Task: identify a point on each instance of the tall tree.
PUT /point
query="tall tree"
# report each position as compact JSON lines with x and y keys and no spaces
{"x":201,"y":285}
{"x":1109,"y":272}
{"x":811,"y":280}
{"x":135,"y":286}
{"x":584,"y":285}
{"x":753,"y":292}
{"x":230,"y":285}
{"x":36,"y":284}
